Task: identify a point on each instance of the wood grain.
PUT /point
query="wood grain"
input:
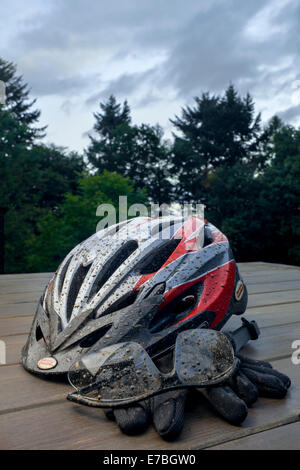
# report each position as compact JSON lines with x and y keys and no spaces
{"x":35,"y":415}
{"x":70,"y":426}
{"x":274,"y":439}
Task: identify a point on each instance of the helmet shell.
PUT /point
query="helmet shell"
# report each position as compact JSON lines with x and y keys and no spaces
{"x":166,"y":274}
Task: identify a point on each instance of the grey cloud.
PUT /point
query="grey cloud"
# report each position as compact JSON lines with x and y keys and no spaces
{"x":291,"y":114}
{"x":147,"y":99}
{"x":205,"y":43}
{"x":213,"y":49}
{"x":123,"y":86}
{"x":49,"y":85}
{"x":202,"y":46}
{"x":89,"y":23}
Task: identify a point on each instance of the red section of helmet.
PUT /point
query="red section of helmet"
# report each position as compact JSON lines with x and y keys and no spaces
{"x":218,"y":286}
{"x":219,"y":237}
{"x":217,"y":292}
{"x":185,"y":246}
{"x":142,"y":280}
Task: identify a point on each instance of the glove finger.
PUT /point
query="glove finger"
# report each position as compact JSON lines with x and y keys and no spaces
{"x":134,"y":419}
{"x":253,"y":362}
{"x":226,"y":403}
{"x":264,"y":370}
{"x":109,"y":413}
{"x":168,"y":413}
{"x":244,"y":388}
{"x":269,"y":383}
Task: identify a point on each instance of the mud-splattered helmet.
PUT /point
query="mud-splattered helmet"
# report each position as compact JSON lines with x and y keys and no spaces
{"x":144,"y":280}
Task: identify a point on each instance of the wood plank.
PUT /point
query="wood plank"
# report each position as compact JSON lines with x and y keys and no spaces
{"x":14,"y":345}
{"x":20,"y":297}
{"x":281,"y":438}
{"x":274,"y":342}
{"x":267,"y":287}
{"x":272,"y":298}
{"x":40,"y":401}
{"x":21,"y":389}
{"x":25,"y":285}
{"x":34,"y":276}
{"x":284,"y":271}
{"x":15,"y":325}
{"x":273,"y":315}
{"x":18,"y":309}
{"x":272,"y":276}
{"x":70,"y":426}
{"x":265,"y":264}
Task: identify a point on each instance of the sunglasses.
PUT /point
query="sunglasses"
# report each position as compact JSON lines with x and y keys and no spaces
{"x":124,"y":373}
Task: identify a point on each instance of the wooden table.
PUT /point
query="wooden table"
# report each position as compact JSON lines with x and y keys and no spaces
{"x":34,"y":413}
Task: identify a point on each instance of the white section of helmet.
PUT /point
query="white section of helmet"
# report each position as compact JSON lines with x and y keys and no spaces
{"x":95,"y":258}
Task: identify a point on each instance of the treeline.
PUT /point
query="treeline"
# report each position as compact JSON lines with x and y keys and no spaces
{"x":247,"y":174}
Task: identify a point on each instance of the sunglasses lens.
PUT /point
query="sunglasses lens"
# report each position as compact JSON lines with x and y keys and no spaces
{"x":116,"y":373}
{"x":203,"y":357}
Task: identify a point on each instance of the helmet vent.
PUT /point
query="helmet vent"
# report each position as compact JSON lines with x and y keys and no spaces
{"x":177,"y":309}
{"x":63,"y":274}
{"x":158,"y":257}
{"x":92,"y":338}
{"x":76,"y":283}
{"x":208,"y":238}
{"x":165,"y":224}
{"x":125,"y":301}
{"x":39,"y":334}
{"x":112,"y":265}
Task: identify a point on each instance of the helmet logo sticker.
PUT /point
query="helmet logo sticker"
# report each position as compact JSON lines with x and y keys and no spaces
{"x":47,"y":363}
{"x":239,"y":290}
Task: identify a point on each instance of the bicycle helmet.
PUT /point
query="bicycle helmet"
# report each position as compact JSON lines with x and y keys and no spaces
{"x":143,"y":279}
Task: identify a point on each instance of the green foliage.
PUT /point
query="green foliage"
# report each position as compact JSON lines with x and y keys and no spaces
{"x":261,"y":213}
{"x":232,"y":206}
{"x":247,"y":175}
{"x":219,"y":131}
{"x":280,"y":199}
{"x":36,"y":178}
{"x":113,"y":115}
{"x":137,"y":152}
{"x":18,"y":102}
{"x":57,"y":233}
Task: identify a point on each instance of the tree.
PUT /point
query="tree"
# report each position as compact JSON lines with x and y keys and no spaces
{"x":219,"y":131}
{"x":233,"y":195}
{"x":113,"y":115}
{"x":76,"y":220}
{"x":137,"y":152}
{"x":260,"y":213}
{"x":35,"y":179}
{"x":37,"y":182}
{"x":13,"y":139}
{"x":18,"y":102}
{"x":280,"y":199}
{"x":49,"y":172}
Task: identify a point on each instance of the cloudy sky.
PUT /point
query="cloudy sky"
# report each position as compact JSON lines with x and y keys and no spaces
{"x":158,"y":54}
